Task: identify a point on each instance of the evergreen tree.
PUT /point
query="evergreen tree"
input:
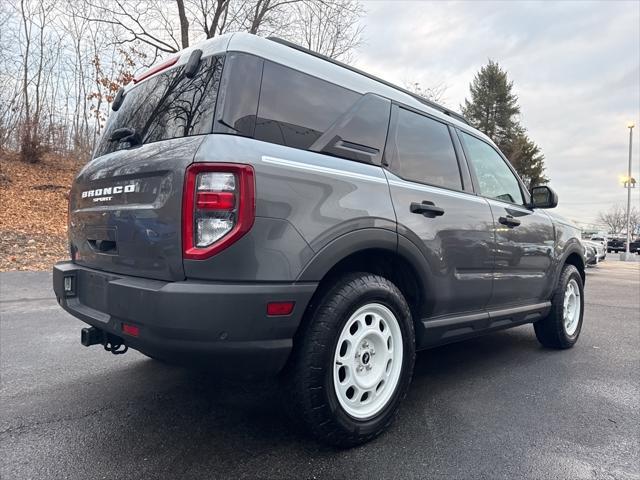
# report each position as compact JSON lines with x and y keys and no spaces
{"x":493,"y":110}
{"x":526,"y":158}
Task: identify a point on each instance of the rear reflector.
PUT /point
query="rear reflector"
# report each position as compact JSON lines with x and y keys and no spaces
{"x":130,"y":330}
{"x":275,"y":309}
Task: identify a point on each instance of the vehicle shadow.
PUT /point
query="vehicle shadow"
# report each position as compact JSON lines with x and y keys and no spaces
{"x":174,"y":420}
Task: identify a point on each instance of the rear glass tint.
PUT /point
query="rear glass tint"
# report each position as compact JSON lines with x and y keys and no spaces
{"x":166,"y":106}
{"x":295,"y":108}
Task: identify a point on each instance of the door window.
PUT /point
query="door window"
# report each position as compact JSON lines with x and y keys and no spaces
{"x":424,"y":151}
{"x":495,"y":178}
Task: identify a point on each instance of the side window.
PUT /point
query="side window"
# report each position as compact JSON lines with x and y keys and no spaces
{"x":495,"y":178}
{"x":424,"y":151}
{"x":295,"y":108}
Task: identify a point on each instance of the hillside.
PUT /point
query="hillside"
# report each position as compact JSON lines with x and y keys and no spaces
{"x":33,"y":211}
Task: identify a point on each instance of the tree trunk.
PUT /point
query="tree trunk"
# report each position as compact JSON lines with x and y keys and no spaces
{"x":184,"y":24}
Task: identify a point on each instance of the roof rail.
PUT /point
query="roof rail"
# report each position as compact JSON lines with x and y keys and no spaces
{"x":423,"y":100}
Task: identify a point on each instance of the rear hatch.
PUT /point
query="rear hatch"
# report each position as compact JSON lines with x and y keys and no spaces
{"x":125,"y":205}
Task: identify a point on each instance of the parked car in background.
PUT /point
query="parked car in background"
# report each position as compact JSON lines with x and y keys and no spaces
{"x":602,"y":240}
{"x":616,"y":244}
{"x":594,"y":252}
{"x":634,"y":246}
{"x":590,"y":254}
{"x":600,"y":248}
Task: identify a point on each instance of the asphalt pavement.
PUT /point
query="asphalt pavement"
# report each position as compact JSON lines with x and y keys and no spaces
{"x":495,"y":407}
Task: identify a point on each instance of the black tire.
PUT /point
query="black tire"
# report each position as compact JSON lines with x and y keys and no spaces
{"x":310,"y":370}
{"x":551,"y":331}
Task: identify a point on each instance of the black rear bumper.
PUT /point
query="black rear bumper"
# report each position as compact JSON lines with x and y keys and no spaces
{"x":221,"y":326}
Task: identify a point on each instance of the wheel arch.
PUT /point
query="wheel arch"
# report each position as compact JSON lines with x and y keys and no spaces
{"x":573,"y":257}
{"x":379,"y":251}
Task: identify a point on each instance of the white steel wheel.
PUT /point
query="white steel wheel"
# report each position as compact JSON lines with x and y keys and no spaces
{"x":368,"y":361}
{"x":572,"y":306}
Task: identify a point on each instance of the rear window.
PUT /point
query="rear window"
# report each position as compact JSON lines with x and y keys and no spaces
{"x":296,"y":109}
{"x":166,"y":106}
{"x":424,"y":151}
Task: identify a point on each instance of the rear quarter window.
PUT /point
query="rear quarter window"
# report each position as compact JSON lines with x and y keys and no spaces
{"x":168,"y":105}
{"x":295,"y":109}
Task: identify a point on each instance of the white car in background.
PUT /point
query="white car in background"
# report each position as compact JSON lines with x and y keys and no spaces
{"x":595,"y":251}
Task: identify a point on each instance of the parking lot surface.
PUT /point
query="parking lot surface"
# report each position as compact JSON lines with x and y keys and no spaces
{"x":499,"y":406}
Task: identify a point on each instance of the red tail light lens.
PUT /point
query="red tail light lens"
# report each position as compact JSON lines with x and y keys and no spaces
{"x":218,"y":207}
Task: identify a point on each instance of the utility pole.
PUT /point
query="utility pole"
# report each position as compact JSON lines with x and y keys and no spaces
{"x":627,"y":254}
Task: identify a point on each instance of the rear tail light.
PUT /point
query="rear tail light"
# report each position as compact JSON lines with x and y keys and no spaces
{"x":218,"y":207}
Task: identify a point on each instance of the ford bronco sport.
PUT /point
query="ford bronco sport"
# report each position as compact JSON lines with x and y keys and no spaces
{"x":257,"y":208}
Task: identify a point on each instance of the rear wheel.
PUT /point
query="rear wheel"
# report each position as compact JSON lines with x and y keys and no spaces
{"x":353,"y":360}
{"x":561,"y":328}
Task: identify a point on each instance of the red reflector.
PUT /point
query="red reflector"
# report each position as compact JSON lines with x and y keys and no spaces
{"x":280,"y":308}
{"x":215,"y":200}
{"x":130,"y":330}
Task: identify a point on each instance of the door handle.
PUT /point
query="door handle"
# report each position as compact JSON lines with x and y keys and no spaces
{"x":426,"y":208}
{"x":509,"y":221}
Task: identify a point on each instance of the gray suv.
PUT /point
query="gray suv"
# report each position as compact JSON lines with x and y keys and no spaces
{"x":256,"y":208}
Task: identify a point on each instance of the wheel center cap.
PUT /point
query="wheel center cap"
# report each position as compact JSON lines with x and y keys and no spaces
{"x":366,"y":357}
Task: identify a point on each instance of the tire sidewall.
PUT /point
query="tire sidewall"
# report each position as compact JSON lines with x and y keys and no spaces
{"x":347,"y":309}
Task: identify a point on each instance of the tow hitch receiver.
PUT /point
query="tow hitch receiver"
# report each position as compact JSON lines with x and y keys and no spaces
{"x":94,"y":336}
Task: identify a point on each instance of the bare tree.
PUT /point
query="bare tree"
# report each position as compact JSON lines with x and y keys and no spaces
{"x":634,"y":221}
{"x":329,"y":27}
{"x":62,"y":62}
{"x":435,"y":93}
{"x":36,"y":56}
{"x":616,"y":219}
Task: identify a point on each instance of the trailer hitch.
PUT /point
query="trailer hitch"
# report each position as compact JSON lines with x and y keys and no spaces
{"x":114,"y":347}
{"x":111,"y":343}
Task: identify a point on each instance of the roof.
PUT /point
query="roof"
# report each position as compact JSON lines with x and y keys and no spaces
{"x":317,"y":65}
{"x":421,"y":99}
{"x":301,"y":59}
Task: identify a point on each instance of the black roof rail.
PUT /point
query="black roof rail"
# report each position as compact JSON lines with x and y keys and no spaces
{"x":423,"y":100}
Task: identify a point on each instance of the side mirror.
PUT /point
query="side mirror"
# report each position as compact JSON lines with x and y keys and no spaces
{"x":543,"y":197}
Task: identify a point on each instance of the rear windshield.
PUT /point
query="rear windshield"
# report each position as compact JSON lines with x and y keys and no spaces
{"x":168,"y":105}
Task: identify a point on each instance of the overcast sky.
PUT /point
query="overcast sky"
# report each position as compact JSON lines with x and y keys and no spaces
{"x":575,"y":67}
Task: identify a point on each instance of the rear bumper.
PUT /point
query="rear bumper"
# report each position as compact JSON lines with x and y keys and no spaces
{"x":222,"y":326}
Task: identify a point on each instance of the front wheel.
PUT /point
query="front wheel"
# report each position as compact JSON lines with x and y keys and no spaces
{"x":353,"y":360}
{"x":561,"y":328}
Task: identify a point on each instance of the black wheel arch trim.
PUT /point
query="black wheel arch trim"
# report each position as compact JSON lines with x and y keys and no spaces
{"x":360,"y":240}
{"x":576,"y":248}
{"x":368,"y":239}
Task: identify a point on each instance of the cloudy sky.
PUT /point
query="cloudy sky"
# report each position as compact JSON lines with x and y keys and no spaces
{"x":575,"y":67}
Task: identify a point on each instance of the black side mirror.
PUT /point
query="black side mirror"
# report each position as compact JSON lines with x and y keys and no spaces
{"x":543,"y":197}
